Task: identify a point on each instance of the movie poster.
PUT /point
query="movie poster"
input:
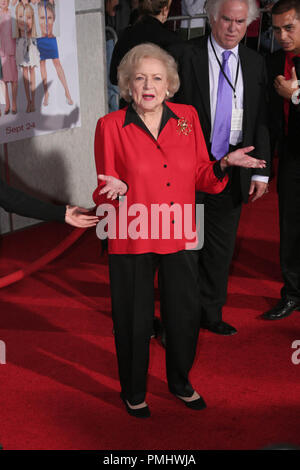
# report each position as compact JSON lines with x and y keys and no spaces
{"x":39,"y":88}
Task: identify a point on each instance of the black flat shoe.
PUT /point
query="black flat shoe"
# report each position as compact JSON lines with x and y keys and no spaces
{"x":138,"y":412}
{"x":198,"y":404}
{"x":282,"y":309}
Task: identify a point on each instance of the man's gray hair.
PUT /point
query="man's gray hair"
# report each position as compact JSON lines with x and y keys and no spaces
{"x":212,"y":8}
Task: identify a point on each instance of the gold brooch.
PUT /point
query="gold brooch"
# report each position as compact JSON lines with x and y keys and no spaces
{"x":184,"y":127}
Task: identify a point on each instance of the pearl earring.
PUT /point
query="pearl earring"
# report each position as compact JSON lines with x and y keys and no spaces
{"x":167,"y":93}
{"x":130,"y":92}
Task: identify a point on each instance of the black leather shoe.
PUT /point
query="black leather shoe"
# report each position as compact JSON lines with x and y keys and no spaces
{"x":220,"y":328}
{"x":136,"y":412}
{"x":283,"y":309}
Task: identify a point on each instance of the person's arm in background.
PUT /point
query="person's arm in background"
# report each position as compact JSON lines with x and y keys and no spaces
{"x":14,"y":200}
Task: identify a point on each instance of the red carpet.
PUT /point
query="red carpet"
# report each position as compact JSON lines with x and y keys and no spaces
{"x":59,"y":386}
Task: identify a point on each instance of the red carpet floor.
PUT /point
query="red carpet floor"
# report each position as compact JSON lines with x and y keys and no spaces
{"x":59,"y":386}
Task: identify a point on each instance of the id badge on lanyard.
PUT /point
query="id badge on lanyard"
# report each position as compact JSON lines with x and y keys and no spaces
{"x":237,"y":119}
{"x":237,"y":114}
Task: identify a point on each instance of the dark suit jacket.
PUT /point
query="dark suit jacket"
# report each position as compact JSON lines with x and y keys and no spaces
{"x":275,"y":67}
{"x":13,"y":200}
{"x":192,"y":58}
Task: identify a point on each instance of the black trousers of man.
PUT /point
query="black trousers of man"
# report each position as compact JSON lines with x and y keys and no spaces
{"x":221,"y":218}
{"x":289,"y":217}
{"x":132,"y":291}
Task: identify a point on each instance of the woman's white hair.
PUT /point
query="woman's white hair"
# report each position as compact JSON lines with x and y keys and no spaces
{"x":133,"y":57}
{"x":212,"y":8}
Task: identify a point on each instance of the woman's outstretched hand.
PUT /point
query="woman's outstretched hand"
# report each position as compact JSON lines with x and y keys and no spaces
{"x":240,"y":158}
{"x":113,"y":188}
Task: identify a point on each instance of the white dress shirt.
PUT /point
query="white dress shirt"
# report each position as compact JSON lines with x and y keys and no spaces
{"x":214,"y":70}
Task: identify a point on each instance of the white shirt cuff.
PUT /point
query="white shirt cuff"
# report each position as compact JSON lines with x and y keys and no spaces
{"x":263,"y":179}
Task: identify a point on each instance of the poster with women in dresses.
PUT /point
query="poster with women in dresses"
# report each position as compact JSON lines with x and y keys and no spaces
{"x":39,"y":87}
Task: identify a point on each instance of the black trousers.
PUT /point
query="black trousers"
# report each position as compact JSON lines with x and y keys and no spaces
{"x":289,"y":218}
{"x":221,"y":218}
{"x":132,"y":292}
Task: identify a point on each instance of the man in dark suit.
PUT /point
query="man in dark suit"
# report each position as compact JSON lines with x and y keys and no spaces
{"x":226,"y":82}
{"x":284,"y":71}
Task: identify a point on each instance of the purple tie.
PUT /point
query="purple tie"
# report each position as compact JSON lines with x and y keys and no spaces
{"x":222,"y":124}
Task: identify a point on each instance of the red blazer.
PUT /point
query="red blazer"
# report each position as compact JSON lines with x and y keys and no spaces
{"x":163,"y":171}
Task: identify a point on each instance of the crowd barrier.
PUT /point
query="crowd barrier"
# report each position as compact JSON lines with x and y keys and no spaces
{"x":265,"y":37}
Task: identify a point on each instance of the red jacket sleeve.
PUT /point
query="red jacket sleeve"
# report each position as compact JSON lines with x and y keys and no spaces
{"x":206,"y":179}
{"x":104,"y":159}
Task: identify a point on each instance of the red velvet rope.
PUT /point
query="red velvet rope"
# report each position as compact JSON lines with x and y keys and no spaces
{"x":45,"y":259}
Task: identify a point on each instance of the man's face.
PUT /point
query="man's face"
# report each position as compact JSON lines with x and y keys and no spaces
{"x":287,"y":31}
{"x":231,"y":23}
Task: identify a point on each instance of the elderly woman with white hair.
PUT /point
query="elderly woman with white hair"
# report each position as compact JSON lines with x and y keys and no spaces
{"x":154,"y":152}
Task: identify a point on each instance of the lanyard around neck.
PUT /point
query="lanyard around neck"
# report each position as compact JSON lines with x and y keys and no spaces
{"x":223,"y":72}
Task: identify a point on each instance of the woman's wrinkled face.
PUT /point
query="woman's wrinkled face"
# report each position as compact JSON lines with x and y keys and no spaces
{"x":149,"y":84}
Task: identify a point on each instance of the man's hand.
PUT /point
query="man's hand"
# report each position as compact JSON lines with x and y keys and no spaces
{"x":114,"y":187}
{"x":286,"y":88}
{"x":77,"y":217}
{"x":257,"y":189}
